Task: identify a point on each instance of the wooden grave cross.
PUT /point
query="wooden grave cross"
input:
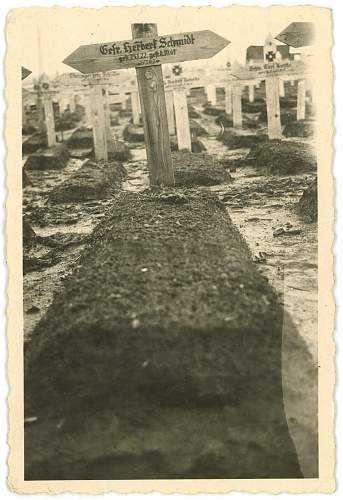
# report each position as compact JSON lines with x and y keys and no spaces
{"x":45,"y":109}
{"x":146,"y":52}
{"x":272,"y":71}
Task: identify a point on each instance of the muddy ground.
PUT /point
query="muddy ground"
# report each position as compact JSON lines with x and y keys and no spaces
{"x":282,"y":243}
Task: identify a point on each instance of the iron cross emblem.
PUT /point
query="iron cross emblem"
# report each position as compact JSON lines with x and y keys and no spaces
{"x":177,"y":70}
{"x":270,"y":56}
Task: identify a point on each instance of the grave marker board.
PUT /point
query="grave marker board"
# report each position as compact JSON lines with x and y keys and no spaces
{"x":297,"y":34}
{"x":139,"y":52}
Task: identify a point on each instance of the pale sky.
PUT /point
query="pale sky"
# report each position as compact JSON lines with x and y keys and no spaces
{"x":62,"y":30}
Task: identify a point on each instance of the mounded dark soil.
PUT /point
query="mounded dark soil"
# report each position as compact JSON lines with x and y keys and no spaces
{"x":196,"y":145}
{"x":92,"y":181}
{"x":301,"y":128}
{"x":54,"y":158}
{"x":118,"y":151}
{"x":307,"y":206}
{"x":211,"y":110}
{"x":133,"y":133}
{"x":257,"y":106}
{"x":283,"y":157}
{"x":226,"y":120}
{"x":161,"y":358}
{"x":82,"y":138}
{"x":36,"y":141}
{"x":199,"y":169}
{"x":234,"y":139}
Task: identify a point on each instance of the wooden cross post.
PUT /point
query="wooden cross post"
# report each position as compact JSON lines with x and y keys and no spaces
{"x":87,"y":107}
{"x":237,"y":105}
{"x":170,"y":111}
{"x":182,"y":121}
{"x":211,"y":94}
{"x":228,"y":99}
{"x":301,"y":100}
{"x":281,"y":88}
{"x":135,"y":107}
{"x":272,"y":92}
{"x":146,"y":52}
{"x":251,"y":92}
{"x":107,"y":112}
{"x":154,"y":115}
{"x":49,"y":119}
{"x":98,"y":123}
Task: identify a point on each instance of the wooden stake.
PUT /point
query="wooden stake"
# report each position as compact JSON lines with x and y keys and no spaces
{"x":237,"y":106}
{"x":49,"y":120}
{"x":40,"y":111}
{"x":170,"y":111}
{"x":228,"y":99}
{"x":301,"y":100}
{"x":98,"y":123}
{"x":88,"y":110}
{"x":182,"y":121}
{"x":251,"y":92}
{"x":281,"y":88}
{"x":273,"y":107}
{"x":135,"y":107}
{"x":71,"y":102}
{"x":63,"y":101}
{"x":154,"y":115}
{"x":211,"y":94}
{"x":107,"y":114}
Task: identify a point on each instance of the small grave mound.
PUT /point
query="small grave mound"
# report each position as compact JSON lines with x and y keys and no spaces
{"x":301,"y":128}
{"x":199,"y":169}
{"x":197,"y":145}
{"x":283,"y":157}
{"x":165,"y":332}
{"x":34,"y":143}
{"x":225,"y":120}
{"x":82,"y":138}
{"x":93,"y":181}
{"x":118,"y":151}
{"x":256,"y":106}
{"x":235,"y":139}
{"x":211,"y":110}
{"x":48,"y":159}
{"x":29,"y":129}
{"x":307,"y":206}
{"x":133,"y":133}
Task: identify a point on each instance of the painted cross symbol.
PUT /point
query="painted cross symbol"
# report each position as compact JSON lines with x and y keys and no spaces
{"x":177,"y":70}
{"x":270,"y":56}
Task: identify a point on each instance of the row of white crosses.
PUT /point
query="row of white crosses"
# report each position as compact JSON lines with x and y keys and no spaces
{"x":146,"y":52}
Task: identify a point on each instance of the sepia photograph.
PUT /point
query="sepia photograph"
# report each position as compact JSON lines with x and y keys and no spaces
{"x":170,"y":227}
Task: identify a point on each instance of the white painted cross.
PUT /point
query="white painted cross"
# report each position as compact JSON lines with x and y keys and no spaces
{"x":271,"y":71}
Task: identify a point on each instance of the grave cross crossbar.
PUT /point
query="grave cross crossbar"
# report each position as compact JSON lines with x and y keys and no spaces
{"x":146,"y":52}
